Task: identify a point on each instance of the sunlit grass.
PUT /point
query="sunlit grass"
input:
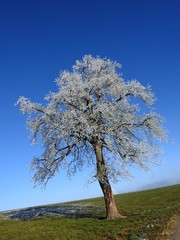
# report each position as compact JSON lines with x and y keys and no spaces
{"x":148,"y":213}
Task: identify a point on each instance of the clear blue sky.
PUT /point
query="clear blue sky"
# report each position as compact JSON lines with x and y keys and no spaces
{"x":40,"y":38}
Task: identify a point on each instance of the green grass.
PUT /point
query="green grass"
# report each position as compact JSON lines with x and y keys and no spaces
{"x":148,"y":213}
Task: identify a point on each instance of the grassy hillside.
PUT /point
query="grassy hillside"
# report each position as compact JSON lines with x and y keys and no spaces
{"x":148,"y":213}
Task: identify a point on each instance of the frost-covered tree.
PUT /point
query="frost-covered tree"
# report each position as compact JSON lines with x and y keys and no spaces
{"x":98,"y":119}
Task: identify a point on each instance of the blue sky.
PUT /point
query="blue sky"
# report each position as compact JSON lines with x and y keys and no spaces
{"x":40,"y":38}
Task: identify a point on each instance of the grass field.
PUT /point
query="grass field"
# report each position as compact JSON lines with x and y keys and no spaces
{"x":148,"y":214}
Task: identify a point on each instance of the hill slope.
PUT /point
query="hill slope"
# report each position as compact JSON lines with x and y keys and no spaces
{"x":148,"y":214}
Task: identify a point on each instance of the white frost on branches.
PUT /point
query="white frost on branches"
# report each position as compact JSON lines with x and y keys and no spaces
{"x":94,"y":101}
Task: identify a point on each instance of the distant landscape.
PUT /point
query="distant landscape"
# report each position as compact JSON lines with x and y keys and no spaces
{"x":148,"y":217}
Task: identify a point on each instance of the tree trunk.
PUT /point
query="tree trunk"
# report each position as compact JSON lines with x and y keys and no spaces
{"x":102,"y":176}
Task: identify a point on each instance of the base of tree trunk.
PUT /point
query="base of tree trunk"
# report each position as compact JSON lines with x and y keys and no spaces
{"x":116,"y":216}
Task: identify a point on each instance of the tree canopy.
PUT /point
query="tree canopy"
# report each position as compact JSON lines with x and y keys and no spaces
{"x":94,"y":105}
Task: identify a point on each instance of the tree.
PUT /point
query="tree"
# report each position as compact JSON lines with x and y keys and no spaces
{"x":96,"y":118}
